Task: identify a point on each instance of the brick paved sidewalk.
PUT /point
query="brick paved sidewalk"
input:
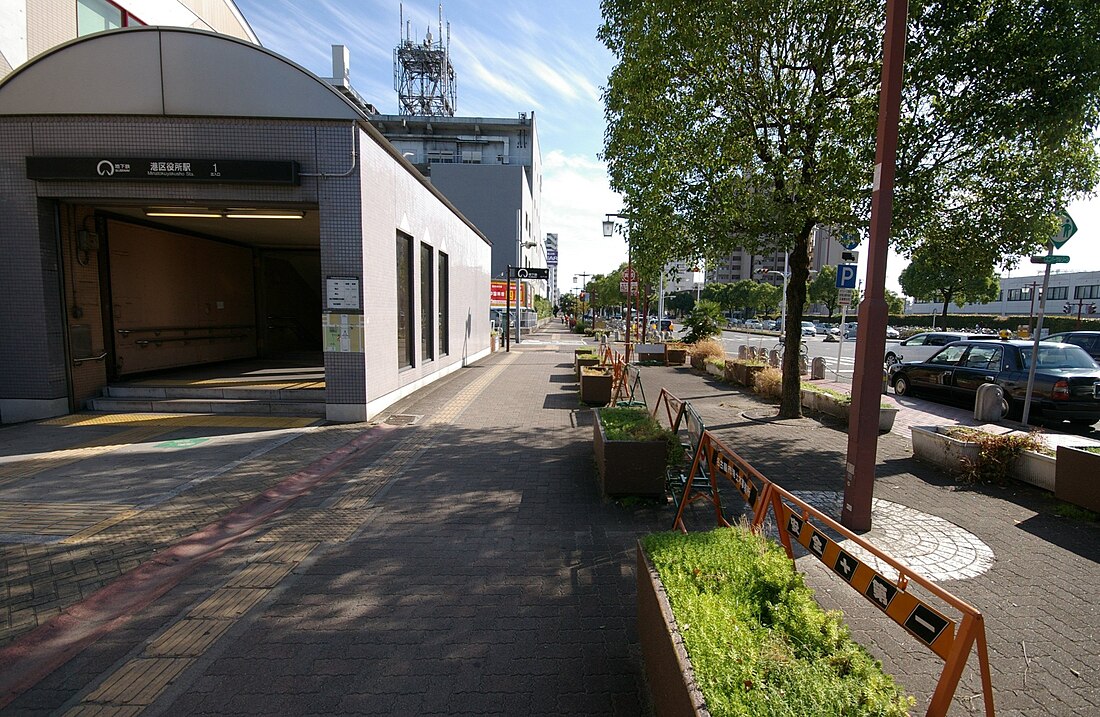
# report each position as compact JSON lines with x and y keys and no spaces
{"x":465,"y":564}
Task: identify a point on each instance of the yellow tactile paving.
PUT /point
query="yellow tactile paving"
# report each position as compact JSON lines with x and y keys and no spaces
{"x":139,"y":681}
{"x":33,"y":464}
{"x":260,"y":575}
{"x":287,"y":552}
{"x":100,"y":526}
{"x":229,"y":603}
{"x":90,"y":710}
{"x":180,"y":420}
{"x":54,"y":518}
{"x":189,"y":637}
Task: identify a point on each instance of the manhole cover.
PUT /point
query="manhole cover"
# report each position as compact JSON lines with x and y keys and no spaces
{"x":403,"y":419}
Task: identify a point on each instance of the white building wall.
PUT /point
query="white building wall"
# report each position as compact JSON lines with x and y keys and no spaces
{"x":1063,"y":288}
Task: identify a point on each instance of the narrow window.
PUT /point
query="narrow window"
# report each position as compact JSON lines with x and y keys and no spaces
{"x":404,"y":301}
{"x":443,"y":303}
{"x":427,"y":289}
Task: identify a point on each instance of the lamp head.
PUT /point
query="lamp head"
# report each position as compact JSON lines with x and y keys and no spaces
{"x":608,"y":227}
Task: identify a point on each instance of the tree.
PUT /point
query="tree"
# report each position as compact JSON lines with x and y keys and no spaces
{"x":767,"y":297}
{"x":747,"y":123}
{"x":894,"y":303}
{"x":704,"y":321}
{"x":823,"y":289}
{"x":568,"y":303}
{"x":961,"y":273}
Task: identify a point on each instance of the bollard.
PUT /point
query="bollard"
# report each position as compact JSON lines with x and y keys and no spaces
{"x":742,"y":352}
{"x":817,"y":368}
{"x":773,"y":359}
{"x":989,"y":403}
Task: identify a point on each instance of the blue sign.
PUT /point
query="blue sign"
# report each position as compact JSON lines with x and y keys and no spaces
{"x":551,"y":256}
{"x":846,"y":276}
{"x":848,"y":240}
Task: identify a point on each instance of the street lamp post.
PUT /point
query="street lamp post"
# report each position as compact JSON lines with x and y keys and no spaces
{"x":610,"y":226}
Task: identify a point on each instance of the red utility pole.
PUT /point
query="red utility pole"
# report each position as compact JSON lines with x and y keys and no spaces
{"x":859,"y":480}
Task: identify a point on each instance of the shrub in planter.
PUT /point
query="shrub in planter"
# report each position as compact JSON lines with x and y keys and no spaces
{"x":596,"y":384}
{"x":769,"y":383}
{"x":715,"y":366}
{"x":753,"y":633}
{"x":700,"y":350}
{"x":997,"y":454}
{"x":633,"y":451}
{"x":584,"y":359}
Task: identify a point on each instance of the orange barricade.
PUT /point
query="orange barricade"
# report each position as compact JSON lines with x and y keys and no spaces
{"x":951,"y":640}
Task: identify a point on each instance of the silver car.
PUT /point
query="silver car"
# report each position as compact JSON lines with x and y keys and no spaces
{"x":919,"y":347}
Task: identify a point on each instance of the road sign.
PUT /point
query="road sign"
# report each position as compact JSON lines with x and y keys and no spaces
{"x":629,"y":274}
{"x":628,"y":287}
{"x":848,"y":240}
{"x":1067,"y":229}
{"x":846,"y":276}
{"x":530,"y":272}
{"x":1050,"y":258}
{"x":844,"y":297}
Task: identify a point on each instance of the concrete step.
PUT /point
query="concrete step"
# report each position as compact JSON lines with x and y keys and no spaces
{"x":208,"y":405}
{"x":310,"y":395}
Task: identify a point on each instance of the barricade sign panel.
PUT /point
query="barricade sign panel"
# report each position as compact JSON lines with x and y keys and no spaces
{"x":950,"y":639}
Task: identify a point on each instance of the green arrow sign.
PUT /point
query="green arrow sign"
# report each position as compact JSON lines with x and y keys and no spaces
{"x":1068,"y":229}
{"x":1050,"y":259}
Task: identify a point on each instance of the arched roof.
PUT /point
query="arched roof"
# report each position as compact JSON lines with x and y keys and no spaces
{"x":171,"y":72}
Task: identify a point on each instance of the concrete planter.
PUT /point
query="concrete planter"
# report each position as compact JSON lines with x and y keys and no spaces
{"x":743,"y":373}
{"x":596,"y":385}
{"x":1037,"y":469}
{"x":1078,"y":477}
{"x":886,"y":416}
{"x":667,"y":666}
{"x":715,"y":370}
{"x":675,"y":355}
{"x":629,"y":467}
{"x":942,"y":451}
{"x":650,"y":352}
{"x":697,"y":362}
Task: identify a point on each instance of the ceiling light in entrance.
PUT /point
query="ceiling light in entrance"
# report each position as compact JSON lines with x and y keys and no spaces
{"x":199,"y":212}
{"x":262,"y":214}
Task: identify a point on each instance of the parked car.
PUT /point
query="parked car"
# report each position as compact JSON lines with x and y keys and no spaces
{"x":753,"y":324}
{"x":808,"y":328}
{"x":1067,"y":380}
{"x":1088,"y":340}
{"x":919,"y":347}
{"x":892,"y":333}
{"x":849,"y":331}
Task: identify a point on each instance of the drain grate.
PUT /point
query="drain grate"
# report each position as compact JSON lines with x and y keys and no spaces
{"x":403,"y":419}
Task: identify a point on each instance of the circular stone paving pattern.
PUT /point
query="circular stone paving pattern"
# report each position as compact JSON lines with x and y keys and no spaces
{"x":931,"y":546}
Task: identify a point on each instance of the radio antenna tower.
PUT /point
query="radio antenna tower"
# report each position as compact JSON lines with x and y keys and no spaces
{"x":422,"y":72}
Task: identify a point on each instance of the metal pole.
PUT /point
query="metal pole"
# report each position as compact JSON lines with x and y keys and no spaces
{"x":661,"y":304}
{"x":519,"y":263}
{"x":859,"y":482}
{"x":507,"y":312}
{"x":1035,"y":340}
{"x":840,"y":348}
{"x":630,"y":298}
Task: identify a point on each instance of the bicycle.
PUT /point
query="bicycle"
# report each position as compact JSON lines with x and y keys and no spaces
{"x":803,"y":350}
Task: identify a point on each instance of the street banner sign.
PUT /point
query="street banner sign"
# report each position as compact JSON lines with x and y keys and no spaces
{"x":844,"y":297}
{"x":846,"y":276}
{"x":1067,"y":229}
{"x":1050,"y":259}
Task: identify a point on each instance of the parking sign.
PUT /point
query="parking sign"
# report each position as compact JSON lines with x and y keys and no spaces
{"x":846,"y":276}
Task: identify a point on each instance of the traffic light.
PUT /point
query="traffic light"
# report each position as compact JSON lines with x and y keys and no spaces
{"x":583,"y":296}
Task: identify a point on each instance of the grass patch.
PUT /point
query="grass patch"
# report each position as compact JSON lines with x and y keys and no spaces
{"x":1069,"y":510}
{"x":759,"y":643}
{"x":627,"y":423}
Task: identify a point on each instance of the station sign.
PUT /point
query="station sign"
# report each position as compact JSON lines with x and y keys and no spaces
{"x":530,"y":272}
{"x":162,"y":169}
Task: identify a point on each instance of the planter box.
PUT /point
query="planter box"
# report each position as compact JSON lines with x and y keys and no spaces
{"x":650,"y":352}
{"x":886,"y":418}
{"x":945,"y":452}
{"x":675,"y":355}
{"x":667,"y":666}
{"x":596,"y":385}
{"x":697,"y":362}
{"x":1037,"y":469}
{"x":579,"y":363}
{"x":629,"y":467}
{"x":715,"y":370}
{"x":1078,"y":478}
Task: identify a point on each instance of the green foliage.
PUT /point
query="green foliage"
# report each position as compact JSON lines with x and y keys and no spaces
{"x":704,"y":321}
{"x":630,"y":423}
{"x":823,"y":289}
{"x":543,"y":307}
{"x":894,"y":304}
{"x":962,"y":272}
{"x":996,"y":456}
{"x":759,"y":643}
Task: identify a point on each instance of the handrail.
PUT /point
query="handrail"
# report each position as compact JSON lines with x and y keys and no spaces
{"x":933,"y":629}
{"x":161,"y":329}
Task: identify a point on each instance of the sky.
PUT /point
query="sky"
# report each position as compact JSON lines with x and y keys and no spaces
{"x":517,"y":56}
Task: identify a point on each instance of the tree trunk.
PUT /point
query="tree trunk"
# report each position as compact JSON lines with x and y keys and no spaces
{"x":799,"y":267}
{"x":946,"y":303}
